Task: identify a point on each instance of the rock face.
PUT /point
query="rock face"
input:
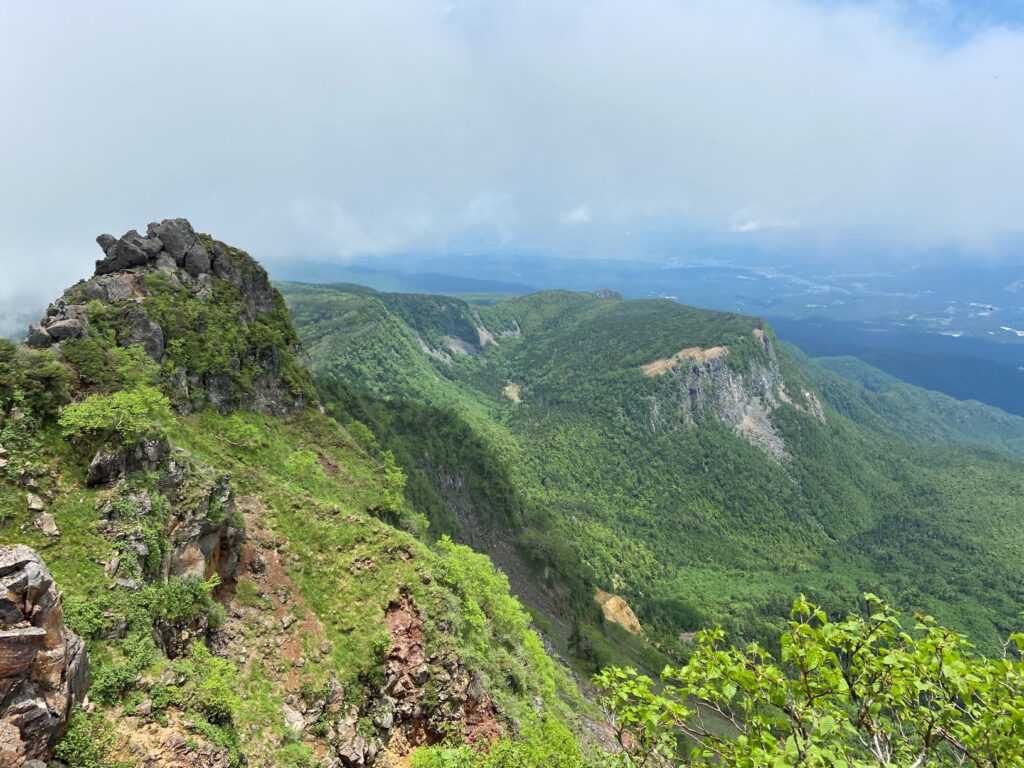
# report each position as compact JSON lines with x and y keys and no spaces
{"x":113,"y":463}
{"x":703,"y":385}
{"x":255,"y":368}
{"x":44,"y":669}
{"x":198,"y":519}
{"x":402,"y":712}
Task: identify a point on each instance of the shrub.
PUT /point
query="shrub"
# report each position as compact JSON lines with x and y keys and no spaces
{"x":35,"y":383}
{"x":240,"y":433}
{"x":486,"y":601}
{"x":303,"y":464}
{"x":127,"y":415}
{"x":101,"y":363}
{"x":541,"y":743}
{"x":182,"y":600}
{"x":211,"y":685}
{"x":86,"y":742}
{"x":82,"y":616}
{"x":860,"y":691}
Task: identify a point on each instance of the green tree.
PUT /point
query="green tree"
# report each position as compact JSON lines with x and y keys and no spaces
{"x":863,"y":691}
{"x":127,"y":415}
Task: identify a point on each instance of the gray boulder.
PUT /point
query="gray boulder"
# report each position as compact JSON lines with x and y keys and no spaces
{"x":107,"y":467}
{"x":176,"y":235}
{"x":142,"y":330}
{"x":117,"y":287}
{"x":47,"y":524}
{"x":123,"y":254}
{"x":197,"y":260}
{"x":225,"y":268}
{"x":38,"y":338}
{"x":65,"y":329}
{"x":150,"y":244}
{"x":105,"y":242}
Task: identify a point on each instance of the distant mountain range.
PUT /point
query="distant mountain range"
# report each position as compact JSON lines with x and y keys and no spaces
{"x":957,"y":330}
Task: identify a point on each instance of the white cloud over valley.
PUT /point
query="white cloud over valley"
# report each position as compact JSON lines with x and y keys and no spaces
{"x":341,"y":128}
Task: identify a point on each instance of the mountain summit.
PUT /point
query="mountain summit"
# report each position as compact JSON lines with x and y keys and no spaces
{"x":203,"y":310}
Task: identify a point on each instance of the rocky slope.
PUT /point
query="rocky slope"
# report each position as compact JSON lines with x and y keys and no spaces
{"x":223,"y":559}
{"x":44,"y":669}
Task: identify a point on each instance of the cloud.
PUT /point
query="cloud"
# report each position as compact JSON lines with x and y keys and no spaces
{"x":578,"y":215}
{"x":333,"y":128}
{"x":747,"y":221}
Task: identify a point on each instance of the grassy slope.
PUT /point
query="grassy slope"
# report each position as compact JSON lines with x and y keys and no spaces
{"x":345,"y":564}
{"x":323,"y":522}
{"x":692,"y":515}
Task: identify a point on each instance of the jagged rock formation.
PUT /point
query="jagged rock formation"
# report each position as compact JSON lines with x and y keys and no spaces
{"x":191,"y":508}
{"x":401,"y":714}
{"x":168,"y":291}
{"x":44,"y":669}
{"x":705,"y":386}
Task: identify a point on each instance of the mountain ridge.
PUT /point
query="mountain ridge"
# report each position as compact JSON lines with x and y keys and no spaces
{"x":221,"y":543}
{"x":690,"y":523}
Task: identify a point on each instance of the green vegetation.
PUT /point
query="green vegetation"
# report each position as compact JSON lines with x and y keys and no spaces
{"x":349,"y":566}
{"x":599,"y":482}
{"x":540,"y":744}
{"x":126,"y":415}
{"x":888,"y":406}
{"x":33,"y":387}
{"x":863,"y":691}
{"x":222,"y":337}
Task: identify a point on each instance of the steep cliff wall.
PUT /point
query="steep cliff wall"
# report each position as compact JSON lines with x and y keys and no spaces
{"x":703,"y":384}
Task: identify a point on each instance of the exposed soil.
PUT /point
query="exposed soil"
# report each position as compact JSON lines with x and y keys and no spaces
{"x":512,"y":393}
{"x":693,"y":354}
{"x":617,"y":610}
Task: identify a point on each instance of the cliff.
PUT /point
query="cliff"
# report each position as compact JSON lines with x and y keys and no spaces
{"x":44,"y":669}
{"x":701,"y":384}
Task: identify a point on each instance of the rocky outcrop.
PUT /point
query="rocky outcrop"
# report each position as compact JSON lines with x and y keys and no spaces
{"x":704,"y":385}
{"x":112,"y":463}
{"x":44,"y":669}
{"x":194,"y":516}
{"x":404,"y":716}
{"x":172,"y":258}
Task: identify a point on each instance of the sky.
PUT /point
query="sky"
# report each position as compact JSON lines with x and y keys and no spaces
{"x":335,"y":129}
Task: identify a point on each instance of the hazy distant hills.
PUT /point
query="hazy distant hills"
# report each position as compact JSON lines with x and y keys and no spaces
{"x":954,"y":329}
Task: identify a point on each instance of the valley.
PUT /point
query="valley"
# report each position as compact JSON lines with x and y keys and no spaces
{"x":709,"y":491}
{"x":329,"y":526}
